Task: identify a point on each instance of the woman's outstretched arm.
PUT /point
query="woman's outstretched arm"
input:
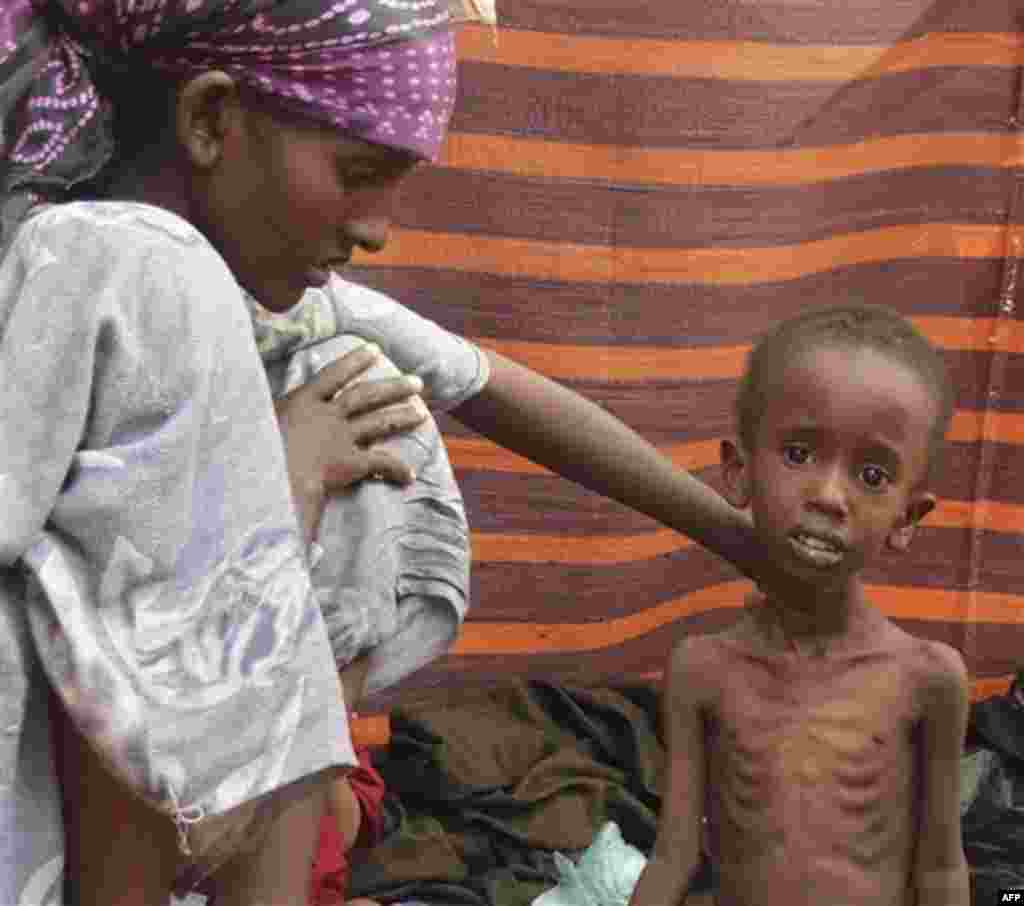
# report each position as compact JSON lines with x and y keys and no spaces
{"x":558,"y":428}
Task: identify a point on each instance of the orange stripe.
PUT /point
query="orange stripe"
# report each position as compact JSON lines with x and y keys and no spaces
{"x":683,"y":167}
{"x":548,"y":638}
{"x":756,"y":61}
{"x":716,"y":363}
{"x":941,"y":605}
{"x":370,"y":730}
{"x":572,"y":262}
{"x":969,"y":426}
{"x":990,"y":686}
{"x":496,"y":547}
{"x":499,"y":547}
{"x":903,"y":602}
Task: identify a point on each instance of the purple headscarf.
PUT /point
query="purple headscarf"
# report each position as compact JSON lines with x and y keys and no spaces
{"x":381,"y":70}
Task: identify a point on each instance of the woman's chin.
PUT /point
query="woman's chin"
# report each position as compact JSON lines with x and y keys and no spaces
{"x":279,"y":297}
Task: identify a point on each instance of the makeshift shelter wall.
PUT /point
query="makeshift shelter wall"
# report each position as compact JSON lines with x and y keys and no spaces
{"x":631,"y":193}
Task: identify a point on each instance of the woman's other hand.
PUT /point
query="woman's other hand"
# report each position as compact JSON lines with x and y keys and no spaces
{"x":330,"y":425}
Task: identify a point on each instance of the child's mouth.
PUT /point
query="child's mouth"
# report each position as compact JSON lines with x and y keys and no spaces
{"x":820,"y":553}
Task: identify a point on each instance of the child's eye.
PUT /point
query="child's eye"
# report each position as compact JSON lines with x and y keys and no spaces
{"x":874,"y":476}
{"x":796,"y":454}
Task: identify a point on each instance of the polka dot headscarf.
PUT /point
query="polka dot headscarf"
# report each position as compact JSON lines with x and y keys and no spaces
{"x":381,"y":70}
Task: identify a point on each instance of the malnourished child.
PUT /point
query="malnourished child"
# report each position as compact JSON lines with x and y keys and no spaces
{"x":822,"y":741}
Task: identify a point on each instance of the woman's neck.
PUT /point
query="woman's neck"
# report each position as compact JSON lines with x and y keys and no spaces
{"x":145,"y":182}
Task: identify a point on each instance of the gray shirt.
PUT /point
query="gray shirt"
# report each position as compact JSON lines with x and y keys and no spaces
{"x":392,"y":569}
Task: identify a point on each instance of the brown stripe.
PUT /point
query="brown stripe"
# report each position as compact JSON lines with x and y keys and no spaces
{"x":701,"y":214}
{"x":704,"y":113}
{"x":724,"y":266}
{"x":611,"y":549}
{"x":670,"y":412}
{"x":774,"y":20}
{"x":445,"y":685}
{"x":523,"y":504}
{"x":737,"y":60}
{"x":930,"y":604}
{"x":966,"y":427}
{"x":487,"y":305}
{"x":938,"y":559}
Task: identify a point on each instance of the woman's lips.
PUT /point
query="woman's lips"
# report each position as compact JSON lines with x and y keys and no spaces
{"x":317,"y":276}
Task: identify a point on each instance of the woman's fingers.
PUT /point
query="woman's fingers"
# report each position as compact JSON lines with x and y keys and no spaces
{"x":375,"y":463}
{"x":377,"y":424}
{"x":334,"y":377}
{"x":370,"y":395}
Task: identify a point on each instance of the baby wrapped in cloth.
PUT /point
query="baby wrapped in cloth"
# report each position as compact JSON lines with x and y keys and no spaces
{"x":391,"y":564}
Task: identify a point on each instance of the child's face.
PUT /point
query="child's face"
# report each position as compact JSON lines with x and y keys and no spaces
{"x":294,"y":200}
{"x":841,"y":454}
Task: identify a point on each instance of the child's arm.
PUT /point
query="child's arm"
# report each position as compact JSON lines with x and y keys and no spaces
{"x":556,"y":427}
{"x":677,"y":848}
{"x":940,"y":876}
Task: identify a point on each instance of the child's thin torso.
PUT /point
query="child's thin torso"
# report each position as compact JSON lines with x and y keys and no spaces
{"x":811,"y":777}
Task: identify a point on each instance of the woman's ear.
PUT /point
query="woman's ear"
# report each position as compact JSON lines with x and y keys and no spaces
{"x":920,"y":505}
{"x":735,"y":474}
{"x":207,"y":107}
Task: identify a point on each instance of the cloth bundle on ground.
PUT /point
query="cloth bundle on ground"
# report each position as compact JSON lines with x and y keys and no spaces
{"x":487,"y":784}
{"x":992,"y":802}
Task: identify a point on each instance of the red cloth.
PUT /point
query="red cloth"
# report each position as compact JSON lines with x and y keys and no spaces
{"x":329,"y":883}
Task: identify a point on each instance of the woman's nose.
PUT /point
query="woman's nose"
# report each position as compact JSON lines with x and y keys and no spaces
{"x":370,"y":233}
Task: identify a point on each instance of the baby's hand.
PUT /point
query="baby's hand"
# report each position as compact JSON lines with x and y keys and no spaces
{"x":329,"y":426}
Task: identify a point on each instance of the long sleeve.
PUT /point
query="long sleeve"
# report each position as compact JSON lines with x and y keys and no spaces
{"x":168,"y":595}
{"x":452,"y":368}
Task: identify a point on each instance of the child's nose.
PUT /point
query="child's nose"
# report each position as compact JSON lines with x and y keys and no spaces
{"x":828,"y":492}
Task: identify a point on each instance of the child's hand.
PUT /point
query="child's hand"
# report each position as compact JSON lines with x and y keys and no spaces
{"x":330,"y":424}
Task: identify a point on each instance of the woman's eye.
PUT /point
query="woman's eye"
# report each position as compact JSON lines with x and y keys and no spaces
{"x":795,"y":455}
{"x":359,"y":176}
{"x":874,"y":476}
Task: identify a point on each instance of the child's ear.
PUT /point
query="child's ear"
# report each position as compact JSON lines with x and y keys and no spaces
{"x":735,"y":474}
{"x":919,"y":506}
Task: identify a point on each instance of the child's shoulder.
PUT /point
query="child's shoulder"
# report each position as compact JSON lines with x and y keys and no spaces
{"x":927,"y":657}
{"x":934,"y":668}
{"x":705,"y":655}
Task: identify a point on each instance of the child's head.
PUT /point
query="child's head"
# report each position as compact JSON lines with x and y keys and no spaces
{"x":281,"y":130}
{"x":841,"y":415}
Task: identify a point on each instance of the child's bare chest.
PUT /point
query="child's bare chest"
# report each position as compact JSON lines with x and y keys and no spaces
{"x":813,"y":760}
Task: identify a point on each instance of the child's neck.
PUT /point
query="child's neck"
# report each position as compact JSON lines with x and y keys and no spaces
{"x":812,"y":624}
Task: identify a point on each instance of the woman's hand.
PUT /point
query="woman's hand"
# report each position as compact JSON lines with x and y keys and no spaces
{"x":330,"y":424}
